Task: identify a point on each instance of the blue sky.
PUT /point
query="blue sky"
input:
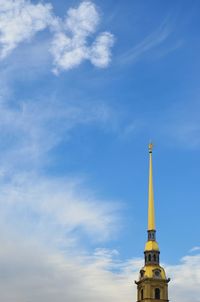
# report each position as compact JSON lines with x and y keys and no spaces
{"x":84,"y":87}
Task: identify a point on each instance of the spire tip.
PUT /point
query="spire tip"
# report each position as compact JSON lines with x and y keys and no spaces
{"x":150,"y":147}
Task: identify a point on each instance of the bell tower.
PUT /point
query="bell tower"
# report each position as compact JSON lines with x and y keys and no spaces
{"x":153,"y":283}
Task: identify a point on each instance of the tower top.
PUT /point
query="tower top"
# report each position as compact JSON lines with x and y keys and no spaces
{"x":151,"y":147}
{"x":151,"y":210}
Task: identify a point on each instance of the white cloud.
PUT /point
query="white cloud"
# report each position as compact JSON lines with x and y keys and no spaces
{"x":82,"y":20}
{"x":185,"y":282}
{"x":30,"y":273}
{"x":58,"y":210}
{"x":68,"y":53}
{"x":21,"y":20}
{"x":70,"y":44}
{"x":42,"y":259}
{"x":101,"y":50}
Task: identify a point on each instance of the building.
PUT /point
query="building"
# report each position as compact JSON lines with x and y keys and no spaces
{"x":153,"y":283}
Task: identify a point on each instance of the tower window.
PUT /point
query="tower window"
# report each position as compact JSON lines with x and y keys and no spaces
{"x":142,"y":294}
{"x":154,"y":258}
{"x":157,"y":293}
{"x":149,"y":258}
{"x":157,"y":273}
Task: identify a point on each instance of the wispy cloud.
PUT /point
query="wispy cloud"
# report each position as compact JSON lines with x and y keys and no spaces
{"x":154,"y":39}
{"x":55,"y":209}
{"x":195,"y":249}
{"x":21,"y":20}
{"x":30,"y":129}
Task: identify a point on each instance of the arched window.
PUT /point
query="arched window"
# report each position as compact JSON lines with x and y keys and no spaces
{"x":154,"y":257}
{"x":142,"y":294}
{"x":149,"y":257}
{"x":157,"y":293}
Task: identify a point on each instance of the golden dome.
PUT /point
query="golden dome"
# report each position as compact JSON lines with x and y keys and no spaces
{"x":153,"y":271}
{"x":151,"y":246}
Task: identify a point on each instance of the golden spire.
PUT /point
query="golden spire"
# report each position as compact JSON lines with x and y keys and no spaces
{"x":151,"y":244}
{"x":151,"y":211}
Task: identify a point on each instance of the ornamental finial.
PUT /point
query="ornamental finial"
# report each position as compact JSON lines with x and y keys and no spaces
{"x":150,"y":147}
